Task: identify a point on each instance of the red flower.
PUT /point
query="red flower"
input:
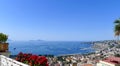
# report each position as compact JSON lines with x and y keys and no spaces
{"x":32,"y":59}
{"x":46,"y":64}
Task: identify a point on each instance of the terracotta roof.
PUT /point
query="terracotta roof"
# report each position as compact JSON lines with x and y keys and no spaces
{"x":87,"y":65}
{"x":113,"y":60}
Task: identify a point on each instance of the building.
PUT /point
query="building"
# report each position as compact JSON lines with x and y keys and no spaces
{"x":73,"y":64}
{"x":110,"y":61}
{"x":87,"y":65}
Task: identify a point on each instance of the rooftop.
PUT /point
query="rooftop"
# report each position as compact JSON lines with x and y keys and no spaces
{"x":113,"y":60}
{"x":87,"y":65}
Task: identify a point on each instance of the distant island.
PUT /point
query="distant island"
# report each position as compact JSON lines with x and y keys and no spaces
{"x":36,"y":40}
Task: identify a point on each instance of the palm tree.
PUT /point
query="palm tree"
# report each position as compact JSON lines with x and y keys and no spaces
{"x":117,"y":28}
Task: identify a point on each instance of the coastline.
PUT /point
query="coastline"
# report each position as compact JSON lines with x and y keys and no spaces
{"x":102,"y":50}
{"x":96,"y":46}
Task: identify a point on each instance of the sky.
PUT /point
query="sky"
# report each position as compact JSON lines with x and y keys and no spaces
{"x":59,"y":20}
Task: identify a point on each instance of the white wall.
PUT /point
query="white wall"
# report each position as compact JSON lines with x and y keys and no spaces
{"x":101,"y":63}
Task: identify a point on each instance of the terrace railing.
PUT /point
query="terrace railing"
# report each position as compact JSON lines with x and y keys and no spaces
{"x":5,"y":61}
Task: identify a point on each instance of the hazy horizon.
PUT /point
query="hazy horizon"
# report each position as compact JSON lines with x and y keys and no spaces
{"x":59,"y":20}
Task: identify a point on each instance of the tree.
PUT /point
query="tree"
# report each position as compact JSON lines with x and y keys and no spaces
{"x":117,"y":28}
{"x":3,"y":38}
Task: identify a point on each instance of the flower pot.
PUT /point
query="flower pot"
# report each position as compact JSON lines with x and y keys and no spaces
{"x":3,"y":47}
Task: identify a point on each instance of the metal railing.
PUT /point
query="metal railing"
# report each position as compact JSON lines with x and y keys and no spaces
{"x":5,"y":61}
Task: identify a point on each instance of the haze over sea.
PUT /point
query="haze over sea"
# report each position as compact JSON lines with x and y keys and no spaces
{"x":50,"y":47}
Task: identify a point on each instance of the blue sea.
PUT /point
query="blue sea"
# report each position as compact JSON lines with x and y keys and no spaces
{"x":50,"y":47}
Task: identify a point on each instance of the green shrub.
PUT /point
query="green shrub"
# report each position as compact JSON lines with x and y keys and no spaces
{"x":3,"y":38}
{"x":118,"y":46}
{"x":117,"y":55}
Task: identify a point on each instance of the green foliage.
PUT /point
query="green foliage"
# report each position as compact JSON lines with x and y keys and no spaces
{"x":60,"y":58}
{"x":3,"y":38}
{"x":118,"y":46}
{"x":117,"y":27}
{"x":117,"y":21}
{"x":111,"y":46}
{"x":47,"y":55}
{"x":117,"y":55}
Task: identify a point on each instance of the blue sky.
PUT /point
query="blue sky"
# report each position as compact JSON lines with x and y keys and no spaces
{"x":59,"y":20}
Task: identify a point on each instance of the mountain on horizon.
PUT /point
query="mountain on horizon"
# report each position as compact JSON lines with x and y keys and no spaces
{"x":36,"y":40}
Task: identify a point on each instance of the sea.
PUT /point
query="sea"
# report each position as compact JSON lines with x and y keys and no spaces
{"x":56,"y":48}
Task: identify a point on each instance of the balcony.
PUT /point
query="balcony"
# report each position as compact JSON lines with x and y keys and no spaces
{"x":5,"y":61}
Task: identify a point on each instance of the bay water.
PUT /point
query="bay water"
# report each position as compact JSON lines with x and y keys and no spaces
{"x":50,"y":47}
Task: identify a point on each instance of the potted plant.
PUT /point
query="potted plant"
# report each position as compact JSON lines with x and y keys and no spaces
{"x":3,"y":43}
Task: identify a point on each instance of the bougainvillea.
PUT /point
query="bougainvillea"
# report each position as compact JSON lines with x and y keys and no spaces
{"x":32,"y":60}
